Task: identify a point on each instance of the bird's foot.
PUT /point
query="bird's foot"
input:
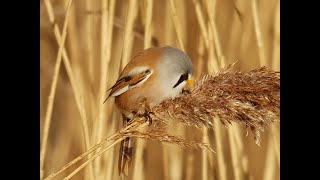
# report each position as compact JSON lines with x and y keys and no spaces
{"x":146,"y":115}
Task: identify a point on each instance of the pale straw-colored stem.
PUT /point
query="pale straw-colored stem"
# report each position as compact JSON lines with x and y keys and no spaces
{"x":205,"y":136}
{"x":95,"y":147}
{"x":92,"y":158}
{"x":211,"y":10}
{"x":235,"y":154}
{"x":53,"y":85}
{"x":201,"y":21}
{"x":89,"y":34}
{"x":138,"y":172}
{"x":190,"y":166}
{"x":128,"y":35}
{"x":136,"y":125}
{"x":176,"y":24}
{"x":103,"y":78}
{"x":270,"y":164}
{"x":276,"y":39}
{"x":238,"y":140}
{"x":148,"y":27}
{"x":165,"y":158}
{"x":79,"y":158}
{"x":212,"y":62}
{"x":111,"y":14}
{"x":73,"y":83}
{"x":276,"y":141}
{"x":205,"y":139}
{"x":258,"y":33}
{"x":220,"y":153}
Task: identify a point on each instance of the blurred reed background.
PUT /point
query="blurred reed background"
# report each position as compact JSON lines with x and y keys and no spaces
{"x":84,"y":45}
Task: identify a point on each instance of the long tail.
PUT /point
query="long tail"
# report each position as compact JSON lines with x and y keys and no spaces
{"x":125,"y":154}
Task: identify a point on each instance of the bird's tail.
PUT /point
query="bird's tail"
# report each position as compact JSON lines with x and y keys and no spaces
{"x":125,"y":154}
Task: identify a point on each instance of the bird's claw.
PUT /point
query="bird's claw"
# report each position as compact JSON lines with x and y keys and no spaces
{"x":148,"y":118}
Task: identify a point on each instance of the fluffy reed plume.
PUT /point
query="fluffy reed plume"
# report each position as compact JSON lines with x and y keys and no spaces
{"x":163,"y":137}
{"x":251,"y":98}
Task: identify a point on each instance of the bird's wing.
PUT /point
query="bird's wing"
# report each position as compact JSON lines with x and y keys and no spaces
{"x":125,"y":83}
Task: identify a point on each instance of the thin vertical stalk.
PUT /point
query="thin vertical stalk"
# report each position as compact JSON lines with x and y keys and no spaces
{"x":176,"y":23}
{"x":128,"y":35}
{"x":48,"y":116}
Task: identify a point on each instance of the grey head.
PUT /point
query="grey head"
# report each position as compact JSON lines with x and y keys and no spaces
{"x":175,"y":68}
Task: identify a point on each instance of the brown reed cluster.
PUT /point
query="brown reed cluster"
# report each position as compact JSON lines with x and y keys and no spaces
{"x":250,"y":98}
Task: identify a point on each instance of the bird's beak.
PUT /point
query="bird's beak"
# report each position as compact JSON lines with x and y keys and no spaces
{"x":190,"y":82}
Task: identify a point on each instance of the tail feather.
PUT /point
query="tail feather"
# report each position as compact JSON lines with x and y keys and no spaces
{"x":125,"y":154}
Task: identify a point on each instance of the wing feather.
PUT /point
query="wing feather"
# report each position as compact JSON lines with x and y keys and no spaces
{"x":126,"y":83}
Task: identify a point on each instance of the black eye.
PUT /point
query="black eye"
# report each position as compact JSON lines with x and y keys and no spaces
{"x":182,"y":78}
{"x":148,"y":71}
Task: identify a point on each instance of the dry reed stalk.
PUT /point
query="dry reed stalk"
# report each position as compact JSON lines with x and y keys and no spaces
{"x":176,"y":24}
{"x":140,"y":144}
{"x":142,"y":15}
{"x":276,"y":142}
{"x":128,"y":35}
{"x":136,"y":32}
{"x":219,"y":133}
{"x":89,"y":39}
{"x":171,"y":157}
{"x":74,"y":51}
{"x":111,"y":155}
{"x":107,"y":18}
{"x":201,"y":21}
{"x":118,"y":23}
{"x":189,"y":168}
{"x":276,"y":39}
{"x":211,"y":10}
{"x":111,"y":14}
{"x":212,"y":63}
{"x":136,"y":129}
{"x":269,"y":168}
{"x":163,"y":137}
{"x":148,"y":27}
{"x":242,"y":156}
{"x":53,"y":85}
{"x":95,"y":147}
{"x":258,"y":33}
{"x":91,"y":159}
{"x":205,"y":138}
{"x":213,"y":66}
{"x":235,"y":155}
{"x":74,"y":86}
{"x":200,"y":61}
{"x":235,"y":31}
{"x":138,"y":172}
{"x":103,"y":77}
{"x":235,"y":135}
{"x":221,"y":165}
{"x":165,"y":158}
{"x":175,"y":157}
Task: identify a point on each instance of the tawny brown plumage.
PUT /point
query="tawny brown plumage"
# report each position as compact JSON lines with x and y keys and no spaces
{"x":152,"y":76}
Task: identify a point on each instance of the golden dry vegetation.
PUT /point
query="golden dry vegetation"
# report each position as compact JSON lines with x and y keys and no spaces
{"x":83,"y":46}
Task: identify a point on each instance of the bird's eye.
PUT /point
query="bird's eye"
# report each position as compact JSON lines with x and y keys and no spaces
{"x":182,"y":78}
{"x":148,"y":71}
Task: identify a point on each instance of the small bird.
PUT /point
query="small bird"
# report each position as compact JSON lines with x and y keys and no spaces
{"x":153,"y":75}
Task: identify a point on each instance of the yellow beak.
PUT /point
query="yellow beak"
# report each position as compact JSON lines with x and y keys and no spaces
{"x":190,"y":82}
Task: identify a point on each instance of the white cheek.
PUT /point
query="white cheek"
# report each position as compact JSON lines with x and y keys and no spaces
{"x":173,"y":92}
